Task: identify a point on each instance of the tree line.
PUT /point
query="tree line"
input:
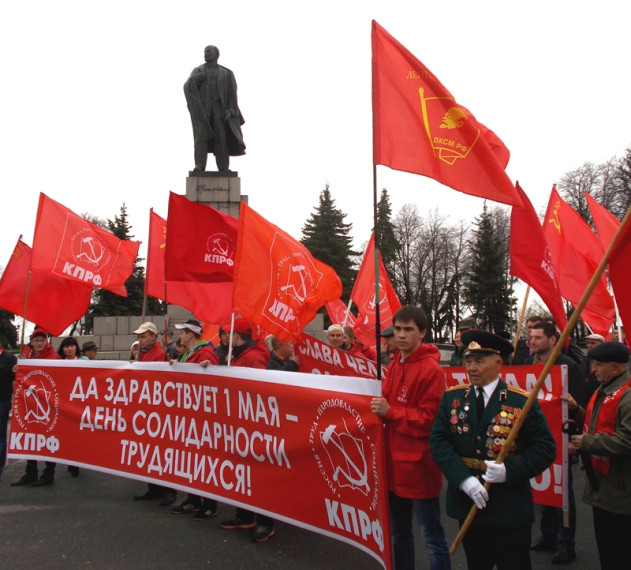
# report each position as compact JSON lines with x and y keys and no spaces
{"x":451,"y":270}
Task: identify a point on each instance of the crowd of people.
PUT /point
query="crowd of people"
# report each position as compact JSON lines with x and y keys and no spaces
{"x":433,"y":433}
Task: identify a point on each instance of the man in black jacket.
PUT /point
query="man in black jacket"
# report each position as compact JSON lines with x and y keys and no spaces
{"x":8,"y":362}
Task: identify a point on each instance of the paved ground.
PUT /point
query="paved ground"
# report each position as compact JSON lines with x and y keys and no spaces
{"x":91,"y":522}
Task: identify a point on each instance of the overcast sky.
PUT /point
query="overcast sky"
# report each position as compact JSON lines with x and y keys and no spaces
{"x":93,"y":113}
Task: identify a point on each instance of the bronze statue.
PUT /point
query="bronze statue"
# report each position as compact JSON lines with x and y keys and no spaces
{"x":211,"y":96}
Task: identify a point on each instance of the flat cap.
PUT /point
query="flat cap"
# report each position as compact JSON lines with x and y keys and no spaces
{"x":478,"y":342}
{"x":468,"y":323}
{"x":598,"y":337}
{"x":610,"y":352}
{"x":389,"y":331}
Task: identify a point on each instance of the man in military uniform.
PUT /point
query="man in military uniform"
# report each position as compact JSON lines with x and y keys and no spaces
{"x":472,"y":424}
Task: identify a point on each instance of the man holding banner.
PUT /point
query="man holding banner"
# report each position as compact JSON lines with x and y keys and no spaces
{"x":472,"y":424}
{"x":411,"y":392}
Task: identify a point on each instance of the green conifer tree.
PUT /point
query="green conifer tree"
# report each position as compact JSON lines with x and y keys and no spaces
{"x":326,"y":236}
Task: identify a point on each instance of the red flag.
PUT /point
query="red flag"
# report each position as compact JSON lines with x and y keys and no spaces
{"x":576,"y":253}
{"x":277,"y":282}
{"x":531,"y":259}
{"x":53,"y":302}
{"x":73,"y":248}
{"x":209,"y":302}
{"x":338,"y":312}
{"x":418,"y":127}
{"x":363,"y":295}
{"x":606,"y":223}
{"x":620,"y":275}
{"x":201,"y":242}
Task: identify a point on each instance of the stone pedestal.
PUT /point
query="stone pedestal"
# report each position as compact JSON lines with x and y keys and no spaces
{"x":215,"y":189}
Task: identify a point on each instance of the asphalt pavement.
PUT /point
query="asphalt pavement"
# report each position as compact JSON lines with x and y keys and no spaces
{"x":92,"y":522}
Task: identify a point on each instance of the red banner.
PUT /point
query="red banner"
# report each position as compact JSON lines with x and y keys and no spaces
{"x":550,"y":488}
{"x":317,"y":357}
{"x":232,"y":434}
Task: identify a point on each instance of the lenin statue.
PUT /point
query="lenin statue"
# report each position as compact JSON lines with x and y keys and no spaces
{"x":211,"y":96}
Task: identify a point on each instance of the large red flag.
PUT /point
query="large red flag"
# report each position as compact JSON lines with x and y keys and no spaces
{"x":576,"y":253}
{"x":620,"y":275}
{"x":209,"y":302}
{"x":531,"y":259}
{"x":419,"y":127}
{"x":363,"y":295}
{"x":606,"y":223}
{"x":53,"y":303}
{"x":73,"y":248}
{"x":201,"y":242}
{"x":278,"y":284}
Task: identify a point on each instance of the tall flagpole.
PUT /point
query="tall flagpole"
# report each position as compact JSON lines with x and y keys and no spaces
{"x":532,"y":398}
{"x":376,"y":237}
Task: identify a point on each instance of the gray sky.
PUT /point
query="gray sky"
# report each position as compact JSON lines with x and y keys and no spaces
{"x":93,"y":112}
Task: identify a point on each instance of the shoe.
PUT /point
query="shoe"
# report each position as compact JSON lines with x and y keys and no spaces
{"x":263,"y":534}
{"x":74,"y":471}
{"x":24,"y":480}
{"x":43,"y":480}
{"x":167,"y":499}
{"x":148,"y":496}
{"x":544,"y":545}
{"x":564,"y":556}
{"x":185,"y":507}
{"x":205,"y":513}
{"x":230,"y":524}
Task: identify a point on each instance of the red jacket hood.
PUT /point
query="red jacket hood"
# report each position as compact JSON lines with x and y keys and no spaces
{"x":422,"y":352}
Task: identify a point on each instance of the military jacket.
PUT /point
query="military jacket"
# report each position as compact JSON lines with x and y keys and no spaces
{"x":459,"y":433}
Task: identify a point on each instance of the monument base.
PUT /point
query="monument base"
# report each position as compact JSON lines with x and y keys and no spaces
{"x":217,"y":189}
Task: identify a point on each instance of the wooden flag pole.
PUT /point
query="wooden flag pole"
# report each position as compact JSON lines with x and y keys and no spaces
{"x":546,"y":370}
{"x":521,"y":319}
{"x":376,"y":238}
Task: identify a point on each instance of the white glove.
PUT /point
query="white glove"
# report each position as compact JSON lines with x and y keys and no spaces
{"x":476,"y":491}
{"x":495,"y":472}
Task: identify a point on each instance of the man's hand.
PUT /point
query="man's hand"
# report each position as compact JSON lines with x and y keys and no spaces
{"x":476,"y":491}
{"x":379,"y":406}
{"x":577,"y":441}
{"x":495,"y":472}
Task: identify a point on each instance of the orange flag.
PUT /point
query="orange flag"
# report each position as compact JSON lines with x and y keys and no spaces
{"x":73,"y":248}
{"x":363,"y":295}
{"x":53,"y":302}
{"x":606,"y":223}
{"x":620,"y":276}
{"x":278,"y":284}
{"x":576,"y":253}
{"x":209,"y":302}
{"x":419,"y":127}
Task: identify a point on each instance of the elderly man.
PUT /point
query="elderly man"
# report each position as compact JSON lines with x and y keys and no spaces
{"x":471,"y":427}
{"x":89,"y":350}
{"x":335,"y":336}
{"x":607,"y":438}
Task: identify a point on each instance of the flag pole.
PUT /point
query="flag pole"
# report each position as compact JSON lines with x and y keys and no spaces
{"x":376,"y":238}
{"x":26,"y":291}
{"x":348,"y":311}
{"x":508,"y":442}
{"x":521,"y":319}
{"x":229,"y":359}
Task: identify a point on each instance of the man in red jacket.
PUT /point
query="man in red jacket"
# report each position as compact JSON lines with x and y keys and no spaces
{"x":150,"y":350}
{"x":412,"y":391}
{"x":40,"y":348}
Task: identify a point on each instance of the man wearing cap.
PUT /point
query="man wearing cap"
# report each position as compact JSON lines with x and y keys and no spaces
{"x":150,"y":350}
{"x":201,"y":352}
{"x":249,"y":353}
{"x":88,"y":351}
{"x":472,"y":424}
{"x":607,"y":438}
{"x":591,"y":382}
{"x":388,"y":346}
{"x":555,"y":535}
{"x":224,"y":344}
{"x":411,"y":392}
{"x":40,"y":348}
